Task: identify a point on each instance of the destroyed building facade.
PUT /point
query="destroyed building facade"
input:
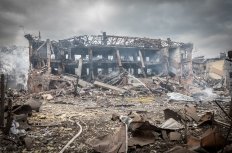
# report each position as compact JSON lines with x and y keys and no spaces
{"x":228,"y":72}
{"x":89,"y":56}
{"x":211,"y":70}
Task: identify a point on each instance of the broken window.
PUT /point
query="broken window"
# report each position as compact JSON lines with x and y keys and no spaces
{"x":76,"y":57}
{"x":99,"y":70}
{"x":110,"y":57}
{"x":53,"y":56}
{"x":149,"y":71}
{"x":131,"y":58}
{"x":131,"y":70}
{"x":110,"y":70}
{"x":87,"y":71}
{"x":147,"y":59}
{"x":87,"y":57}
{"x":139,"y":71}
{"x":99,"y":56}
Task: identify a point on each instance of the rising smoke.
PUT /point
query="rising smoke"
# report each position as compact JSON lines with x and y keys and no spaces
{"x":14,"y":62}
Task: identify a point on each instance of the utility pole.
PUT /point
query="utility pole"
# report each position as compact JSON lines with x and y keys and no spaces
{"x":2,"y":104}
{"x":229,"y":69}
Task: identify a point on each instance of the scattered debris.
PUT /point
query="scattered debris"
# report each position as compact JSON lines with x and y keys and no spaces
{"x":114,"y":143}
{"x":119,"y":109}
{"x":174,"y":136}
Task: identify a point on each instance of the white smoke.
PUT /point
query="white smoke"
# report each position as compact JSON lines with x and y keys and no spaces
{"x":205,"y":95}
{"x":14,"y":61}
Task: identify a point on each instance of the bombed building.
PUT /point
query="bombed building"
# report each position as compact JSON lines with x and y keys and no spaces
{"x":112,"y":76}
{"x":89,"y":56}
{"x":129,"y":94}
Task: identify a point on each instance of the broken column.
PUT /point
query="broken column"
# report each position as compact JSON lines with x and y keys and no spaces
{"x":91,"y":75}
{"x":119,"y":59}
{"x":142,"y":63}
{"x":165,"y":54}
{"x":79,"y":69}
{"x":49,"y":55}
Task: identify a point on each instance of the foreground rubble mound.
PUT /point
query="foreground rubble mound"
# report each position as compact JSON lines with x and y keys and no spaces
{"x":118,"y":113}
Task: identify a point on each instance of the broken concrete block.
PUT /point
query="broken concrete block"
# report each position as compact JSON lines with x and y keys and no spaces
{"x":192,"y":112}
{"x":28,"y":143}
{"x":47,"y":96}
{"x":174,"y":136}
{"x":35,"y":104}
{"x":171,"y":124}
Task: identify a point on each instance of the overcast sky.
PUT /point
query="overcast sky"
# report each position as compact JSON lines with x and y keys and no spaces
{"x":205,"y":23}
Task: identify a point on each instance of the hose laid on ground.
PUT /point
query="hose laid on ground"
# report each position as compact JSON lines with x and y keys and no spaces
{"x":126,"y":138}
{"x":126,"y":120}
{"x":80,"y":131}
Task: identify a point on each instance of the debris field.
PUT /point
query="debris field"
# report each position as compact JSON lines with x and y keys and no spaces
{"x":114,"y":94}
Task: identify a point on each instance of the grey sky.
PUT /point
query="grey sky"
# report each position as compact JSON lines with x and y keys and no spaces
{"x":206,"y":23}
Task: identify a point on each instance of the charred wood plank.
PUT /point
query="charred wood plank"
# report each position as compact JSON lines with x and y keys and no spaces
{"x":107,"y":86}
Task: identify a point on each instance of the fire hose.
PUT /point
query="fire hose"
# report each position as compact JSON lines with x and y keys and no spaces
{"x":80,"y":131}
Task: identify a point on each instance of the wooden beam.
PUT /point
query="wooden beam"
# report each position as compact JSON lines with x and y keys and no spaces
{"x":79,"y":69}
{"x":91,"y":64}
{"x":83,"y":83}
{"x":142,"y":64}
{"x":118,"y":58}
{"x":41,"y":46}
{"x":49,"y":54}
{"x":107,"y":86}
{"x":141,"y":59}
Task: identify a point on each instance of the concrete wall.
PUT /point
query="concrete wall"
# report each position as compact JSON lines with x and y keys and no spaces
{"x":215,"y":67}
{"x":174,"y":61}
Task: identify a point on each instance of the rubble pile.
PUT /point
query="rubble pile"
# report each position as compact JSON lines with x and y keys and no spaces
{"x":202,"y":134}
{"x":110,"y":116}
{"x":116,"y":94}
